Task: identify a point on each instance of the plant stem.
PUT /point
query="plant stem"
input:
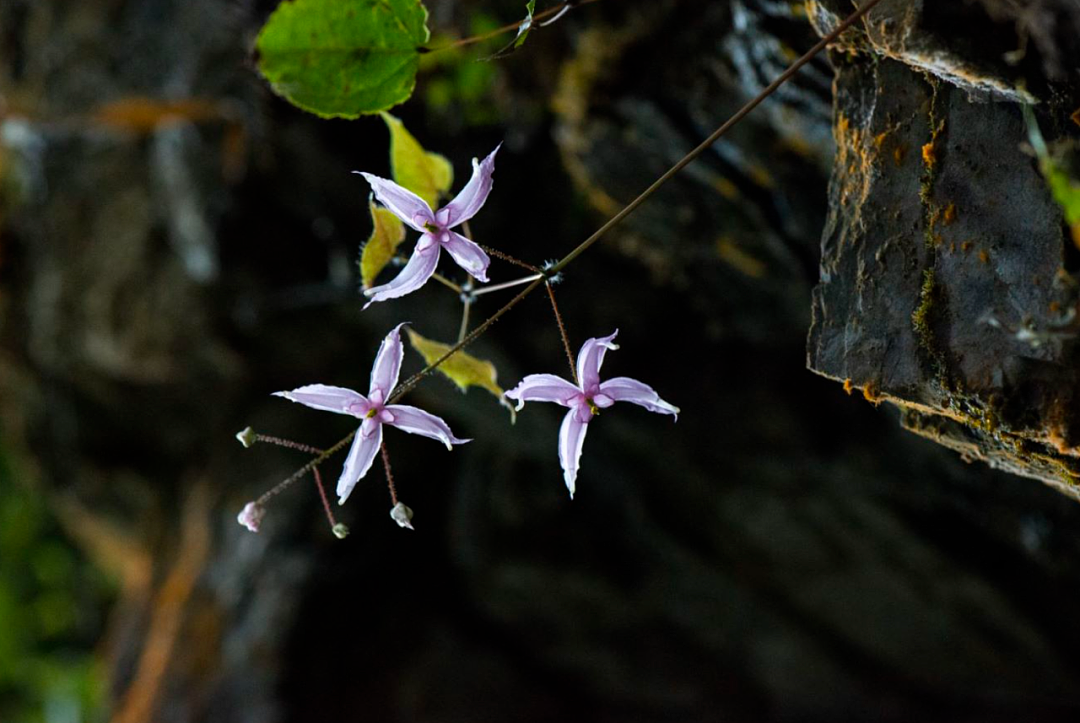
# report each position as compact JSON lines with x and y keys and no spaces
{"x":714,"y":136}
{"x":389,"y":476}
{"x":507,"y":284}
{"x":446,"y":282}
{"x":466,"y":305}
{"x":562,"y":333}
{"x":267,"y":439}
{"x":322,"y":495}
{"x":543,"y":15}
{"x":510,"y":259}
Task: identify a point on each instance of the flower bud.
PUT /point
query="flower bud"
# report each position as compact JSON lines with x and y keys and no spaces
{"x":340,"y":530}
{"x":402,"y":515}
{"x":246,"y":436}
{"x":251,"y":516}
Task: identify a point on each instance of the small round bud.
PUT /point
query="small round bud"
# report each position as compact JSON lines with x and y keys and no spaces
{"x":402,"y":515}
{"x":251,"y":516}
{"x":340,"y":530}
{"x":246,"y":436}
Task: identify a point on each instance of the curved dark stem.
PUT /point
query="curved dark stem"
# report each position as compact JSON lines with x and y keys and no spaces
{"x":614,"y":221}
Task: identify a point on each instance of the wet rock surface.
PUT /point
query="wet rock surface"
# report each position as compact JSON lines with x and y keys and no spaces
{"x":947,"y":282}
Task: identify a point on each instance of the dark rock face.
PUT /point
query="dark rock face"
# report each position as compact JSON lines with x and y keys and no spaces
{"x":947,"y":277}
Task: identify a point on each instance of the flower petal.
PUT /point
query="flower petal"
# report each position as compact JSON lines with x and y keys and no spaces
{"x":625,"y":389}
{"x":329,"y":399}
{"x":365,"y":446}
{"x":401,"y":202}
{"x":472,"y":197}
{"x":417,"y":421}
{"x":571,"y":438}
{"x":543,"y":388}
{"x":468,"y":255}
{"x":589,"y":360}
{"x":421,"y":266}
{"x":384,"y":372}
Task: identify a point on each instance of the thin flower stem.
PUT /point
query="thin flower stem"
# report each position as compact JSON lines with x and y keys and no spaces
{"x":322,"y":495}
{"x":614,"y":221}
{"x":412,"y":381}
{"x":714,"y":136}
{"x":466,"y":305}
{"x":446,"y":282}
{"x":543,"y":15}
{"x":267,"y":439}
{"x":563,"y":334}
{"x":389,"y":476}
{"x":325,"y":455}
{"x":510,"y":259}
{"x":507,"y":284}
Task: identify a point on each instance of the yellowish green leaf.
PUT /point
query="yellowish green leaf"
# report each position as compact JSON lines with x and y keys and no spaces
{"x":462,"y":369}
{"x":387,"y":234}
{"x":425,"y":174}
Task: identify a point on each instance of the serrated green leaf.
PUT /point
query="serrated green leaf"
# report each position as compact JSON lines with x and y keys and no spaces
{"x":425,"y":174}
{"x":343,"y":58}
{"x":387,"y":233}
{"x":464,"y":370}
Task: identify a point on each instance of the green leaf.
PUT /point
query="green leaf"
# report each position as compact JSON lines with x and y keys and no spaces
{"x":462,"y":369}
{"x":343,"y":58}
{"x":526,"y":24}
{"x":523,"y":32}
{"x":1063,"y":186}
{"x":425,"y":174}
{"x":387,"y":234}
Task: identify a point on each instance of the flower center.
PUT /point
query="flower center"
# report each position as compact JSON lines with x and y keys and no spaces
{"x":370,"y":413}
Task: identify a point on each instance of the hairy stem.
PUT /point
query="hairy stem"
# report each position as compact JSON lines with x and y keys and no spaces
{"x":389,"y":476}
{"x":288,"y":443}
{"x":322,"y":496}
{"x":563,"y":334}
{"x":510,"y":259}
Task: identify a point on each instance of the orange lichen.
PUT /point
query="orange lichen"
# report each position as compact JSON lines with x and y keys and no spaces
{"x":1076,"y":116}
{"x":965,"y":246}
{"x":1055,"y":307}
{"x":848,"y":386}
{"x":871,"y":394}
{"x":929,"y":155}
{"x":898,"y":154}
{"x":984,"y":257}
{"x":948,"y":216}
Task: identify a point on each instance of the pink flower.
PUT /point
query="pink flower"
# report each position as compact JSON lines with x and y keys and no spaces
{"x":585,"y":401}
{"x":251,"y":516}
{"x":435,"y":227}
{"x":374,"y":411}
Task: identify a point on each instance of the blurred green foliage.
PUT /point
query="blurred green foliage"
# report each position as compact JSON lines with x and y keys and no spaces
{"x":51,"y":605}
{"x":455,"y":80}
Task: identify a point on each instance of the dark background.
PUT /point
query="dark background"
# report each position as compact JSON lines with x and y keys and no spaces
{"x":178,"y":243}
